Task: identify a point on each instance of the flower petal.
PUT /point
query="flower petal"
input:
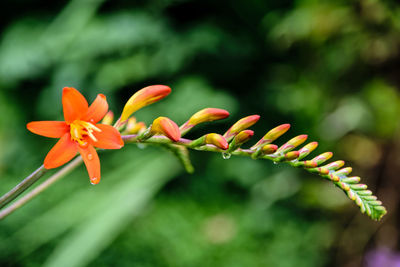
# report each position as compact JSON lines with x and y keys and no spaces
{"x":108,"y":138}
{"x":92,"y":163}
{"x":74,"y":103}
{"x":61,"y":153}
{"x":97,"y":109}
{"x":53,"y":129}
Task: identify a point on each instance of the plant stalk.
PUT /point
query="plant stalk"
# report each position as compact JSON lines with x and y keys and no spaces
{"x":40,"y":188}
{"x":22,"y":186}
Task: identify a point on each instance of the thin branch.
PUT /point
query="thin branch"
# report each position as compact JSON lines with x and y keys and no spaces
{"x":40,"y":188}
{"x":22,"y":186}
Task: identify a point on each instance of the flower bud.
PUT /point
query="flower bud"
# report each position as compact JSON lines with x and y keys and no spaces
{"x":133,"y":127}
{"x":216,"y":140}
{"x":241,"y":125}
{"x":309,"y":164}
{"x":319,"y":170}
{"x":269,"y":149}
{"x":272,"y":135}
{"x":208,"y":114}
{"x":333,"y":166}
{"x":344,"y":186}
{"x":370,"y":198}
{"x":359,"y":187}
{"x":242,"y":137}
{"x":167,"y":127}
{"x":131,"y":123}
{"x":292,"y":143}
{"x":322,"y":158}
{"x":307,"y":149}
{"x":344,"y":171}
{"x":333,"y":177}
{"x":351,"y":195}
{"x":144,"y":97}
{"x":323,"y":171}
{"x":108,"y":118}
{"x":292,"y":155}
{"x":351,"y":180}
{"x":204,"y":115}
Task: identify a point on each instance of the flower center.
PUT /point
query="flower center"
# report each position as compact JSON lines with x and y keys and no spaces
{"x":80,"y":129}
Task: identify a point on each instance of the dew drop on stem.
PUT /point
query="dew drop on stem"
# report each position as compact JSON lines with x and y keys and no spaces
{"x":141,"y":146}
{"x":226,"y":155}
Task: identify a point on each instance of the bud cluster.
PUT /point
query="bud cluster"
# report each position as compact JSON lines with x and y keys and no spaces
{"x":165,"y":131}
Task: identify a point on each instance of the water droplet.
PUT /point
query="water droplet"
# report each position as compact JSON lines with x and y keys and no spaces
{"x":84,"y":144}
{"x":90,"y":157}
{"x":226,"y":155}
{"x":141,"y":146}
{"x":94,"y":180}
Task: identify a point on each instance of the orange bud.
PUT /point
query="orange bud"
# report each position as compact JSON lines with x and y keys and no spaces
{"x":243,"y":136}
{"x":333,"y":166}
{"x":217,"y":140}
{"x":322,"y":171}
{"x":292,"y":143}
{"x":310,"y":164}
{"x":131,"y":123}
{"x":133,"y":127}
{"x":144,"y":97}
{"x":298,"y":140}
{"x":277,"y":132}
{"x":292,"y":155}
{"x":208,"y":114}
{"x":241,"y":125}
{"x":240,"y":139}
{"x":269,"y":149}
{"x":139,"y":127}
{"x":322,"y":158}
{"x":307,"y":149}
{"x":167,"y":127}
{"x":108,"y":118}
{"x":273,"y":135}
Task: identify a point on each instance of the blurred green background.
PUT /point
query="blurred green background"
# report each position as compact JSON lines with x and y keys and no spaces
{"x":329,"y":68}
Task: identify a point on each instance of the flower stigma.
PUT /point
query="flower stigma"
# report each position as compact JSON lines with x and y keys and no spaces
{"x":80,"y":129}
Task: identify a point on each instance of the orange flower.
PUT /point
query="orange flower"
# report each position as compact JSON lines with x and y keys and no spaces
{"x":79,"y":132}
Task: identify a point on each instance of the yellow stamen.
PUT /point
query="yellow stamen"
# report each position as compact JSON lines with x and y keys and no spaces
{"x":80,"y":129}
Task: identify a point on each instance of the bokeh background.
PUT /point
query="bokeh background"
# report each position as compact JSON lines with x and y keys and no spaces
{"x":329,"y":68}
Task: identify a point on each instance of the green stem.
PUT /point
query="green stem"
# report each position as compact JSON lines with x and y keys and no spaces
{"x":40,"y":188}
{"x":22,"y":186}
{"x":159,"y":139}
